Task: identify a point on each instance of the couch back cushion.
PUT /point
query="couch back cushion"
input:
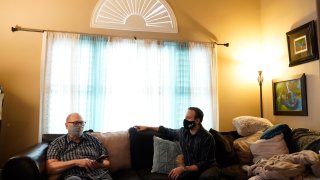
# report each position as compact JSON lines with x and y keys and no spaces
{"x":118,"y":146}
{"x":141,"y":147}
{"x":48,"y":138}
{"x":225,"y":153}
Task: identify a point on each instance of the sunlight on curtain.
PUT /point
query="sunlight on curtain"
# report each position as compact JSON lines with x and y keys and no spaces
{"x":116,"y":83}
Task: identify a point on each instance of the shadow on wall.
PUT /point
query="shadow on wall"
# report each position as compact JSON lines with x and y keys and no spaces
{"x":200,"y":28}
{"x":20,"y":124}
{"x":190,"y":29}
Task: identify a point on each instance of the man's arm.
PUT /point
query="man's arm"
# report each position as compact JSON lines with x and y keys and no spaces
{"x":169,"y":134}
{"x":145,"y":128}
{"x":55,"y":166}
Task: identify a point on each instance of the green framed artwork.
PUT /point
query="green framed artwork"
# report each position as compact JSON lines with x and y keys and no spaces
{"x":302,"y":44}
{"x":290,"y":96}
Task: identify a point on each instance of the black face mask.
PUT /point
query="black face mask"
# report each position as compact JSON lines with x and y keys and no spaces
{"x":189,"y":124}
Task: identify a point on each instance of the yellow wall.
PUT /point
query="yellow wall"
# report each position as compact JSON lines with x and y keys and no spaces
{"x":277,"y":18}
{"x":233,"y":21}
{"x":242,"y":23}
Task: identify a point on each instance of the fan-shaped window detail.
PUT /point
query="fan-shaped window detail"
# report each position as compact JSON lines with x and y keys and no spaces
{"x":135,"y":15}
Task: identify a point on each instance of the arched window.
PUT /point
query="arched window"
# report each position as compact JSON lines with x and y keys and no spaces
{"x":134,"y":15}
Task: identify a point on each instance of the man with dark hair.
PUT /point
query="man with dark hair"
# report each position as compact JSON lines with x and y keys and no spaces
{"x":197,"y":145}
{"x":77,"y":155}
{"x":198,"y":113}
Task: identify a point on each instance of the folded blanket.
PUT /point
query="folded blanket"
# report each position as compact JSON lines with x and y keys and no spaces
{"x":286,"y":166}
{"x":304,"y":139}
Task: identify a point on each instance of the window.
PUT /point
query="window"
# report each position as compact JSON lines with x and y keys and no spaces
{"x":116,"y":83}
{"x":134,"y":15}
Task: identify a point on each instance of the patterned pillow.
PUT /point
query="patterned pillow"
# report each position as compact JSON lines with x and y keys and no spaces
{"x":164,"y":156}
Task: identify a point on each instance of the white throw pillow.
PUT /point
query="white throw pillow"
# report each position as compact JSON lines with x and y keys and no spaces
{"x":247,"y":125}
{"x":266,"y":148}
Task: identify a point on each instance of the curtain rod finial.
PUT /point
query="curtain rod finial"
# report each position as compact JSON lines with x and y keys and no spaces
{"x":14,"y":29}
{"x":225,"y":44}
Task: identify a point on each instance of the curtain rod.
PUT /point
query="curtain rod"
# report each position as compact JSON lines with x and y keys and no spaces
{"x":19,"y":28}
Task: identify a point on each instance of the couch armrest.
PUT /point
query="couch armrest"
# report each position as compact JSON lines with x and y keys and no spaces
{"x":30,"y":164}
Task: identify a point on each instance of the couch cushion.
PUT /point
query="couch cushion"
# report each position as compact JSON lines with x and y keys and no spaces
{"x":127,"y":174}
{"x":141,"y":148}
{"x":48,"y":138}
{"x":118,"y":146}
{"x":234,"y":172}
{"x":145,"y":174}
{"x":242,"y":147}
{"x":164,"y":156}
{"x":225,"y":153}
{"x":247,"y":125}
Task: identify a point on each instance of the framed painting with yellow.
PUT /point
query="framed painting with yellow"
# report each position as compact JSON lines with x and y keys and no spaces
{"x":290,"y":96}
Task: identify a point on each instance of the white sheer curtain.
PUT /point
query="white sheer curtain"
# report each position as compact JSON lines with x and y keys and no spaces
{"x":115,"y":83}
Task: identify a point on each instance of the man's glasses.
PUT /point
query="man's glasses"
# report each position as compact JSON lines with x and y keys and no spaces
{"x":78,"y":123}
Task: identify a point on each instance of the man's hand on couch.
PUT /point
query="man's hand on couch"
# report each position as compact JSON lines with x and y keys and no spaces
{"x":175,"y":173}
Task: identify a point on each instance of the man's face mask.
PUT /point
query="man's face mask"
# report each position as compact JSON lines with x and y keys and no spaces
{"x":189,"y":124}
{"x":75,"y":131}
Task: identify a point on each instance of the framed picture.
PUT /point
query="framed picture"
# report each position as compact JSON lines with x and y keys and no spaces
{"x":290,"y":96}
{"x":302,"y":44}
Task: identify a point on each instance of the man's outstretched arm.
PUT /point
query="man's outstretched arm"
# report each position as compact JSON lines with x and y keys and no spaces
{"x":145,"y":128}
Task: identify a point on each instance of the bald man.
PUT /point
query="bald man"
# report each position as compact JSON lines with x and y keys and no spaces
{"x":74,"y":155}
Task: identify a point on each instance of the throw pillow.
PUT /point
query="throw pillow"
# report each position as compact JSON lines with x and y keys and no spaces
{"x":247,"y":125}
{"x":242,"y":147}
{"x":118,"y":146}
{"x":276,"y":130}
{"x":266,"y":148}
{"x":225,"y":154}
{"x":141,"y":147}
{"x":164,"y":156}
